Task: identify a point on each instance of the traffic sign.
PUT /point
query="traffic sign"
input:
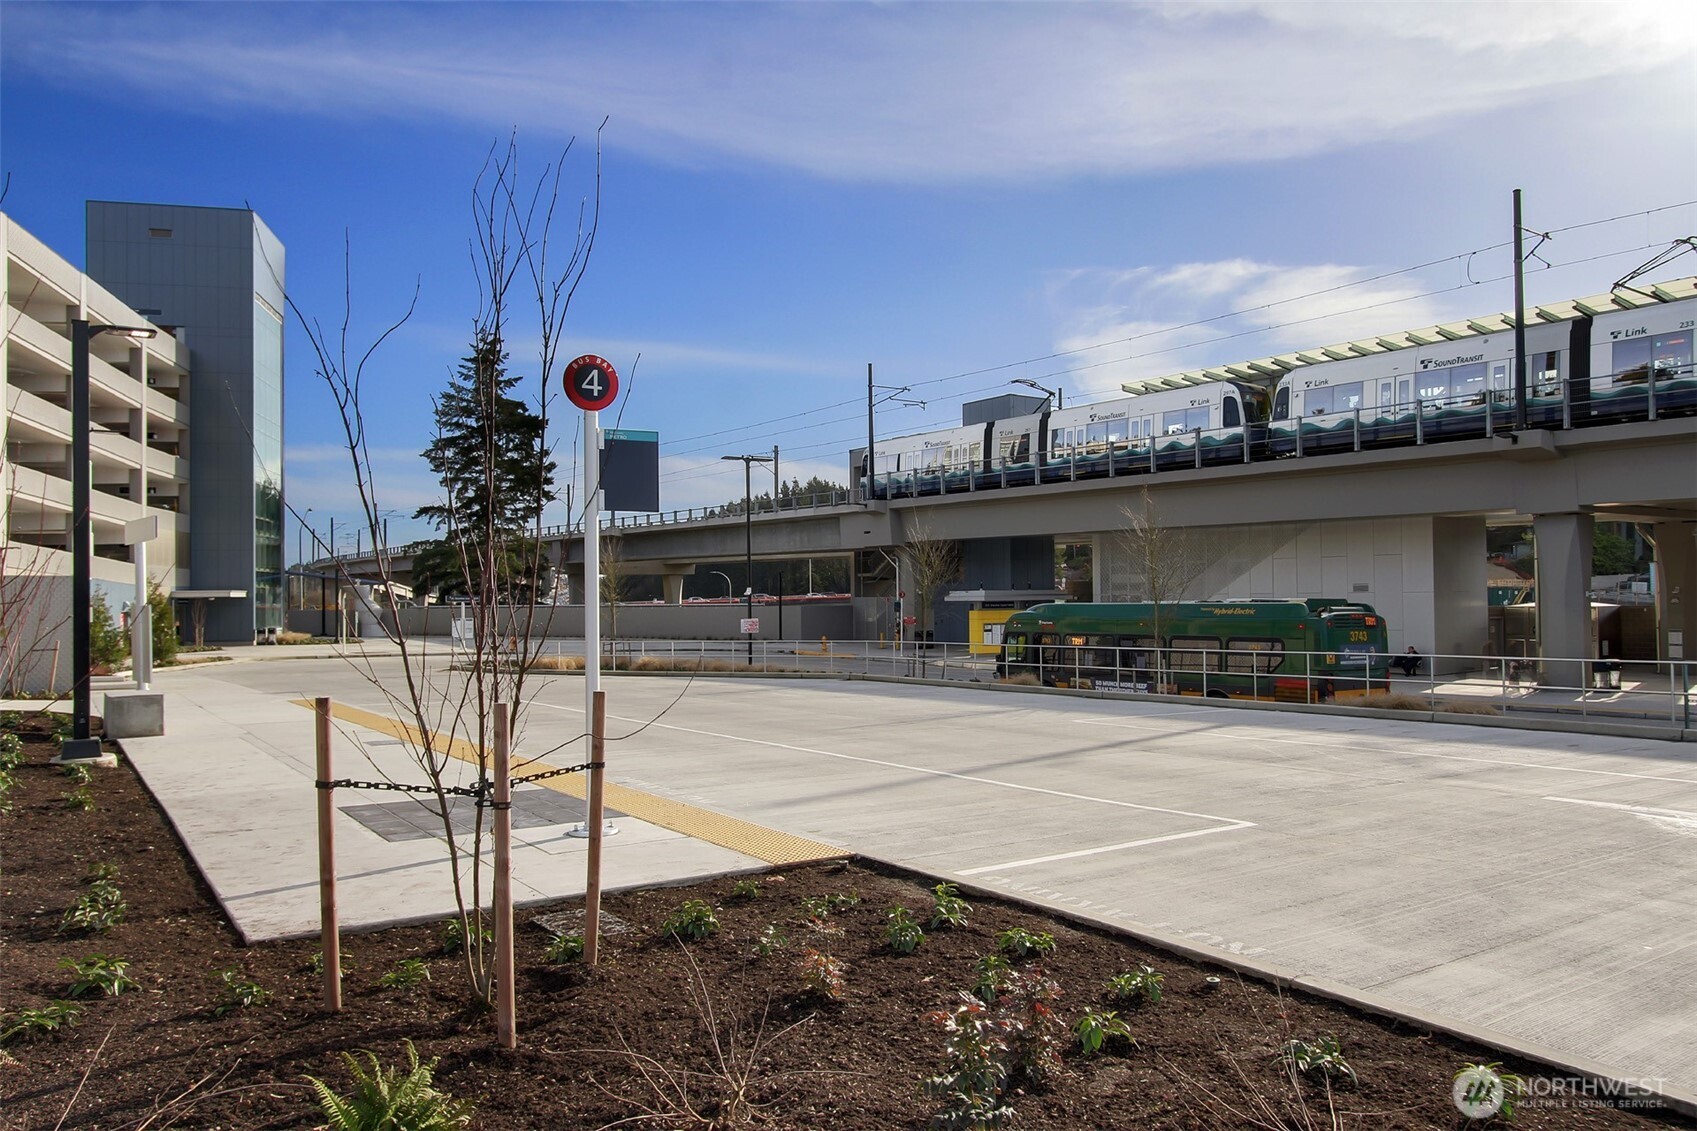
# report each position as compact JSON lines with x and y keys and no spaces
{"x":591,"y":383}
{"x":750,"y":625}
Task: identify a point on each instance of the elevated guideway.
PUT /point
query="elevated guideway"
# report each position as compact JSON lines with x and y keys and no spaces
{"x":1402,"y":528}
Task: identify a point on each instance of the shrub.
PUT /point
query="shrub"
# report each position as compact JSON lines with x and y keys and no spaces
{"x":405,"y":974}
{"x":990,"y":972}
{"x":822,"y":974}
{"x":383,"y":1099}
{"x":1019,"y":944}
{"x":1322,"y":1056}
{"x":11,"y":751}
{"x":948,"y":909}
{"x":695,"y":920}
{"x":100,"y":972}
{"x":746,"y":888}
{"x":1144,"y":985}
{"x":239,"y":992}
{"x":903,"y":932}
{"x":454,"y":936}
{"x":773,"y":939}
{"x":1099,"y":1026}
{"x":564,"y":949}
{"x":165,"y":642}
{"x":97,"y":910}
{"x":80,"y":799}
{"x":973,"y":1083}
{"x":107,"y":643}
{"x":820,"y":907}
{"x":33,"y":1024}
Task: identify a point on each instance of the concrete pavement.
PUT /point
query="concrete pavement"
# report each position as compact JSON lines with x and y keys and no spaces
{"x":1532,"y":887}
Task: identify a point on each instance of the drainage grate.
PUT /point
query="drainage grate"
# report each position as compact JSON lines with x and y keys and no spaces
{"x":533,"y":808}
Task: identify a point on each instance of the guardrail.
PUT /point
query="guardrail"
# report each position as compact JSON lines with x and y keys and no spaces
{"x":792,"y":505}
{"x":1644,"y":692}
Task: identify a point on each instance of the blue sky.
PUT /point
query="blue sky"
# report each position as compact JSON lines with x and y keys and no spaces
{"x":793,"y":191}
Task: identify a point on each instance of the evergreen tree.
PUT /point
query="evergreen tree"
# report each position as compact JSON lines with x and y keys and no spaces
{"x":496,"y":477}
{"x":488,"y":452}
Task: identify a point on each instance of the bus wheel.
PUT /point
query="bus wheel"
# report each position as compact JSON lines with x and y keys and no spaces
{"x":1218,"y":694}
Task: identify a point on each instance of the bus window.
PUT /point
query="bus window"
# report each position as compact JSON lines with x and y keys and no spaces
{"x":1014,"y":642}
{"x":1246,"y":655}
{"x":1194,"y":653}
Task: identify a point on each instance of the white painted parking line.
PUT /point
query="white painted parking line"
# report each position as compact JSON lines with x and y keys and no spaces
{"x":1233,"y":827}
{"x":925,"y":770}
{"x":1642,"y":810}
{"x":1351,"y":744}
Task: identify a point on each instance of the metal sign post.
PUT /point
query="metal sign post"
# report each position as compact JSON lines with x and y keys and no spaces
{"x":591,"y":384}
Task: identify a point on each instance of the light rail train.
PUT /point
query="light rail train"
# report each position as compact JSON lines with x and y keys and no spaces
{"x":1613,"y":367}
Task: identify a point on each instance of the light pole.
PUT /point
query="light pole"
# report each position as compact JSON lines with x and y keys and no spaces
{"x":1052,"y":394}
{"x":300,"y":551}
{"x":748,"y":533}
{"x":729,"y":591}
{"x":80,"y":747}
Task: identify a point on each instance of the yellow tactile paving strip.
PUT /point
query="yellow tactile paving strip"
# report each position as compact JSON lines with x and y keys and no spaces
{"x":757,"y":841}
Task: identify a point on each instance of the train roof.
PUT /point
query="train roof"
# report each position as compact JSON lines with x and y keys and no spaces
{"x":1268,"y":370}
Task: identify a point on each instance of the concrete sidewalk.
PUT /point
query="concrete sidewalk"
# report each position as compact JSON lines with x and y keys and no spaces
{"x":235,"y":772}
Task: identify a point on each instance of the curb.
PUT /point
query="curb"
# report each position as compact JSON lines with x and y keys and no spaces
{"x":1612,"y":1078}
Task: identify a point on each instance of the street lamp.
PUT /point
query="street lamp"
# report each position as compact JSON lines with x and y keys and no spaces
{"x":1052,"y":394}
{"x":80,"y":747}
{"x":729,"y":592}
{"x":748,"y":532}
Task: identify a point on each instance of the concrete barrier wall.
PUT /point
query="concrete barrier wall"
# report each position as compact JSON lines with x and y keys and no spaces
{"x":655,"y":622}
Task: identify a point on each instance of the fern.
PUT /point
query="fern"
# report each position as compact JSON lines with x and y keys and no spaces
{"x":383,"y":1099}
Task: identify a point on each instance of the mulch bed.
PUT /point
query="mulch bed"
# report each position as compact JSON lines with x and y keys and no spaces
{"x":1206,"y":1056}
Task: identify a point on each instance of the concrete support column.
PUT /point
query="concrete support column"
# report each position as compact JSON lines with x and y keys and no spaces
{"x":572,"y":576}
{"x":1676,"y":590}
{"x":1563,"y":543}
{"x":673,"y":584}
{"x":1460,"y":616}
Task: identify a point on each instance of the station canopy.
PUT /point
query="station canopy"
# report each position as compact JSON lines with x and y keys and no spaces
{"x":1267,"y":370}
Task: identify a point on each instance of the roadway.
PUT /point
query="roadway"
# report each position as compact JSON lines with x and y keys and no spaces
{"x":1536,"y":884}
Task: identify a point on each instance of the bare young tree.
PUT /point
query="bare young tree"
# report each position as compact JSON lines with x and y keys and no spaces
{"x":932,"y":563}
{"x":1165,"y":561}
{"x":517,"y":267}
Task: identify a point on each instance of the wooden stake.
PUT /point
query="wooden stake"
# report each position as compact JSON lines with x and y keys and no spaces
{"x":506,"y":1005}
{"x":592,"y":885}
{"x":329,"y":929}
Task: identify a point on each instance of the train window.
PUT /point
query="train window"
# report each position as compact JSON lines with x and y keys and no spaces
{"x":1183,"y":420}
{"x":1467,"y":382}
{"x":1335,"y":398}
{"x":1671,"y":355}
{"x":1230,"y":417}
{"x":1402,"y":393}
{"x":1546,"y":373}
{"x":1194,"y":653}
{"x":1281,"y":403}
{"x":1247,"y":655}
{"x":1118,"y":429}
{"x":1631,"y":361}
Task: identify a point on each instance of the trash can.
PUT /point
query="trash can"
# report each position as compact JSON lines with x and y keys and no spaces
{"x":1605,"y":675}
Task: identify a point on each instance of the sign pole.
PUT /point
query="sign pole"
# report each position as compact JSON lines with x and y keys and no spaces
{"x":592,"y":384}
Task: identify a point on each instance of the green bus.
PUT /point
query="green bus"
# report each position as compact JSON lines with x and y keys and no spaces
{"x":1285,"y":650}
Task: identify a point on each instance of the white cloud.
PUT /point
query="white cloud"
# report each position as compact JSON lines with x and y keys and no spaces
{"x":890,"y":93}
{"x":1123,"y":325}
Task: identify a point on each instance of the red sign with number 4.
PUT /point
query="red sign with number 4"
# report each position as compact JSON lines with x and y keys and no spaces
{"x":591,"y":383}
